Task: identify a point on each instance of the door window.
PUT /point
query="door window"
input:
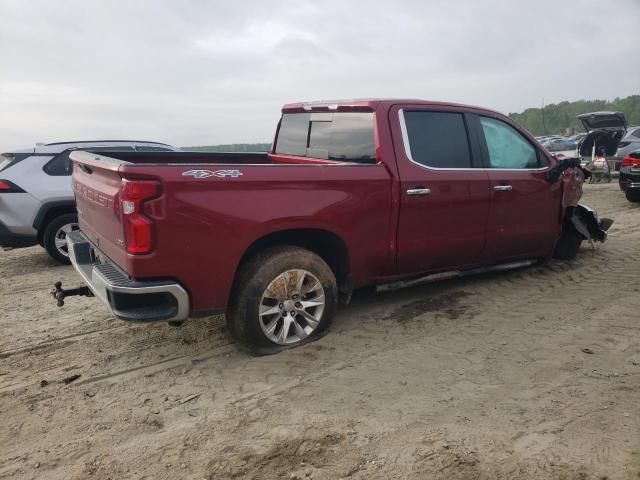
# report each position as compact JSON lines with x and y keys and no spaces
{"x":437,"y":139}
{"x":507,"y":148}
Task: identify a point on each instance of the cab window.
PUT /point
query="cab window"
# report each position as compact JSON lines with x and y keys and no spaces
{"x":344,"y":136}
{"x":437,"y":139}
{"x":506,"y":147}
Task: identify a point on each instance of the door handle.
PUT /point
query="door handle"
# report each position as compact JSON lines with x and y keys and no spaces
{"x":419,"y":191}
{"x":503,"y":188}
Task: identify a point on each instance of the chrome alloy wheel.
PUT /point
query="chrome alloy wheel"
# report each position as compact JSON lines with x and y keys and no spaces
{"x":61,"y":237}
{"x":291,"y":307}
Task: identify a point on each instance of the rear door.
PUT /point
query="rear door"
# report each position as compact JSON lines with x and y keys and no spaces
{"x":525,"y":212}
{"x":444,"y":199}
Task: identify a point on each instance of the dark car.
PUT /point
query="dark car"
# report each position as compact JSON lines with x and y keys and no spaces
{"x":630,"y":176}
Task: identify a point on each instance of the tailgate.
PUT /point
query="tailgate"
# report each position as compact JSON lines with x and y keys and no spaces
{"x":96,"y":183}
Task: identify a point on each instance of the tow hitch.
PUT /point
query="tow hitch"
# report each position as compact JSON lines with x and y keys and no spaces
{"x":60,"y":293}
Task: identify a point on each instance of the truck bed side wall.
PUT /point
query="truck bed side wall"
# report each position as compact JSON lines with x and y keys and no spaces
{"x":204,"y":226}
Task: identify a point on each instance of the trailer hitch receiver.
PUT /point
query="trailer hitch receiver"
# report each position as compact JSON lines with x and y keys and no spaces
{"x":60,"y":293}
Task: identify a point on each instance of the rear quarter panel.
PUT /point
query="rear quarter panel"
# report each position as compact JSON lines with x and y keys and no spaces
{"x":204,"y":226}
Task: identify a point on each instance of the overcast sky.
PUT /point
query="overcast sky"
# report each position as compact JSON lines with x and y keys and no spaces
{"x":196,"y":72}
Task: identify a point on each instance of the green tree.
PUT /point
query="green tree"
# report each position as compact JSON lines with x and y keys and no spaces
{"x":558,"y":117}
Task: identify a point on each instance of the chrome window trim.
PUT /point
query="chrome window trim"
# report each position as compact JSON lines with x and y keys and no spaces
{"x":407,"y":150}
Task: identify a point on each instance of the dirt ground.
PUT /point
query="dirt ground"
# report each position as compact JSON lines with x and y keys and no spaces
{"x":529,"y":374}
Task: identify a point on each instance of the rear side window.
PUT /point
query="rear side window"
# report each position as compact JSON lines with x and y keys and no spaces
{"x":327,"y":135}
{"x":507,"y":148}
{"x":61,"y":165}
{"x":636,"y":133}
{"x":437,"y":139}
{"x":9,"y":159}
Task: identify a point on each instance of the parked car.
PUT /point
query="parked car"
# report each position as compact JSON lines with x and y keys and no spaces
{"x":353,"y":193}
{"x":577,"y":138}
{"x":37,"y":203}
{"x":604,"y":133}
{"x":558,"y":144}
{"x":629,"y":143}
{"x":630,"y":176}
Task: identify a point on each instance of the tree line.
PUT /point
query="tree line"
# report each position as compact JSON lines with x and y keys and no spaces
{"x":232,"y":147}
{"x":556,"y":118}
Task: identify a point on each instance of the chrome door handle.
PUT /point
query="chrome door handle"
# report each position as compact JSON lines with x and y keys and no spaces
{"x":419,"y":191}
{"x":503,"y":188}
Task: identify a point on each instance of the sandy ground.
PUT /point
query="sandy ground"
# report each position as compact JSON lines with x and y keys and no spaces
{"x":529,"y":374}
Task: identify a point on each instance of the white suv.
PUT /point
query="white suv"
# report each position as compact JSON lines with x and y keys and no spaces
{"x":37,"y":205}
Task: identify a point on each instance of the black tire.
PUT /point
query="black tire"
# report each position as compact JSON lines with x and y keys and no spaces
{"x":633,"y":196}
{"x":568,"y":246}
{"x":49,"y":236}
{"x":252,"y":280}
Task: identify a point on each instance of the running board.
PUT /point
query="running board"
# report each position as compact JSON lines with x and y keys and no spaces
{"x":435,"y":277}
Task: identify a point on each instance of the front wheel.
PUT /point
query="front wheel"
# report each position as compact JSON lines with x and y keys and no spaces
{"x":283,"y":297}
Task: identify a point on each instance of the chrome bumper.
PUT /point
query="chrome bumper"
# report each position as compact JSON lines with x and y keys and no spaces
{"x":127,"y":299}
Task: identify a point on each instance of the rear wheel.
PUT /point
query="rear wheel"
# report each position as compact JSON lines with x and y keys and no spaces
{"x":633,"y":196}
{"x":54,"y":238}
{"x":284,"y":297}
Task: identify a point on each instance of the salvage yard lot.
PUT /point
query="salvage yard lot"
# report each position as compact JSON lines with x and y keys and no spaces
{"x":527,"y":374}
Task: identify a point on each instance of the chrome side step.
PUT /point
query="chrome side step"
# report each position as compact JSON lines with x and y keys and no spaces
{"x":435,"y":277}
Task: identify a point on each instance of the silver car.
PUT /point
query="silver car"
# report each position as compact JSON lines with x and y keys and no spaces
{"x":629,"y":143}
{"x":37,"y":204}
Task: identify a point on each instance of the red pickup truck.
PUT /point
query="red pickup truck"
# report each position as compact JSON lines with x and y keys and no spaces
{"x":352,"y":193}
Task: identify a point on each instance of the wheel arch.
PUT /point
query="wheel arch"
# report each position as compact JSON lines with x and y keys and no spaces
{"x":49,"y":211}
{"x":326,"y":244}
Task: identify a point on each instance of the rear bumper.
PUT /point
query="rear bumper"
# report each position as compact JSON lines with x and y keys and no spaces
{"x":127,"y":299}
{"x":8,"y":239}
{"x":629,"y":179}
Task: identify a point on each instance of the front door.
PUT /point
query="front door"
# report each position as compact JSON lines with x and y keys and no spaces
{"x":525,"y":212}
{"x":444,"y":199}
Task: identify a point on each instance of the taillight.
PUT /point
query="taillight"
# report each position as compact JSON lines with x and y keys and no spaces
{"x":630,"y":161}
{"x":138,"y":228}
{"x":7,"y":186}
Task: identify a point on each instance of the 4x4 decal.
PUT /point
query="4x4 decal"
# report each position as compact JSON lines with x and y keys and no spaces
{"x":208,"y":173}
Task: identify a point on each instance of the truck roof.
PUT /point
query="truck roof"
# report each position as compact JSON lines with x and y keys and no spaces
{"x":369,"y":104}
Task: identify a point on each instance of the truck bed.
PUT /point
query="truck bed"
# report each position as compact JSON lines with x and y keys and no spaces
{"x":204,"y":158}
{"x":210,"y":219}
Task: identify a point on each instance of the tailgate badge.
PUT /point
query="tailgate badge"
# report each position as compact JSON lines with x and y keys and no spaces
{"x":208,"y":173}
